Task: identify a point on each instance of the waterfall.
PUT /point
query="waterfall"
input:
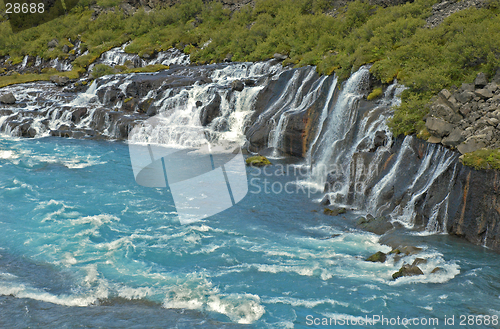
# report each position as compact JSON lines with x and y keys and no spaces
{"x":118,"y":56}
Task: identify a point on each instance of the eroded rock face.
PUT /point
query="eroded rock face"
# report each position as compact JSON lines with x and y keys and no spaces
{"x":467,"y":119}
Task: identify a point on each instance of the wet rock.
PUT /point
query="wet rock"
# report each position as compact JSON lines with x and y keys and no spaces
{"x":334,"y":212}
{"x":198,"y":103}
{"x":65,"y":49}
{"x":8,"y":99}
{"x":434,"y":140}
{"x":78,"y":114}
{"x":419,"y":261}
{"x":496,"y":77}
{"x":480,"y":80}
{"x":378,"y":257}
{"x":407,"y":270}
{"x":325,"y":201}
{"x":130,"y":104}
{"x":237,"y":85}
{"x":59,"y":80}
{"x":257,"y":161}
{"x":211,"y":111}
{"x":436,"y":270}
{"x":380,"y":139}
{"x":379,"y":225}
{"x":228,"y":58}
{"x":438,"y":127}
{"x":483,"y":93}
{"x":143,"y":106}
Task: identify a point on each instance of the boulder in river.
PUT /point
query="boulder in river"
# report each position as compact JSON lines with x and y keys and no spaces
{"x":59,"y":80}
{"x":237,"y":85}
{"x":8,"y":98}
{"x":378,"y":257}
{"x":407,"y":270}
{"x":334,"y":212}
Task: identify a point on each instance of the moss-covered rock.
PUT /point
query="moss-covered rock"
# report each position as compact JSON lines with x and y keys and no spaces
{"x":379,"y":257}
{"x":257,"y":161}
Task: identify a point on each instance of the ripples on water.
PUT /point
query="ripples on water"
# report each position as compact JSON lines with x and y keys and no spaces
{"x":83,"y":244}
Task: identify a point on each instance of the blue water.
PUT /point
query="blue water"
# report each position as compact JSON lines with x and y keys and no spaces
{"x":83,"y":245}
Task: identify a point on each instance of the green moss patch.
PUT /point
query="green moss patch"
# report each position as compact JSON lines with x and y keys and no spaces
{"x":482,"y":159}
{"x":257,"y":161}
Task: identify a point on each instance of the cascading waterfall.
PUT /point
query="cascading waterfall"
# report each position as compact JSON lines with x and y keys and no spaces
{"x":351,"y":153}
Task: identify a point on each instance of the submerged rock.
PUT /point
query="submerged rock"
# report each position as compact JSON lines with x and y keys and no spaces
{"x":257,"y":161}
{"x":379,"y":257}
{"x":379,"y":225}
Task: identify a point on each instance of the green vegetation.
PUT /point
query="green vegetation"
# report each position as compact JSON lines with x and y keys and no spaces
{"x":257,"y":161}
{"x":393,"y":39}
{"x":483,"y":159}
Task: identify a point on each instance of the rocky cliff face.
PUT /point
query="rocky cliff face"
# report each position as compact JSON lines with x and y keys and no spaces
{"x":467,"y":119}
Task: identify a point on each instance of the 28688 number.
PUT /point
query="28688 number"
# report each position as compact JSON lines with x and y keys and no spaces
{"x":25,"y":8}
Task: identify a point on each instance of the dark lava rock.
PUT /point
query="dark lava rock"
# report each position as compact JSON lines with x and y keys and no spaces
{"x":379,"y":225}
{"x":211,"y":111}
{"x":407,"y":250}
{"x":334,"y":212}
{"x":325,"y":201}
{"x":59,"y":81}
{"x":8,"y":98}
{"x":237,"y":85}
{"x":408,"y":270}
{"x":379,"y":257}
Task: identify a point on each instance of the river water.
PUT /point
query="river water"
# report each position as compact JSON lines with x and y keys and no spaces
{"x":83,"y":244}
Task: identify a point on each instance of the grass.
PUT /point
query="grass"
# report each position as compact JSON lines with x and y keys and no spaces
{"x":100,"y":70}
{"x":393,"y":39}
{"x":483,"y":159}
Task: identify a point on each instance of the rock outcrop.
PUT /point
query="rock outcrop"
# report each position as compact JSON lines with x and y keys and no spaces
{"x":469,"y":118}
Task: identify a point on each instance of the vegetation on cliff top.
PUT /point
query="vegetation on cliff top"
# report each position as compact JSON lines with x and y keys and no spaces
{"x":394,"y":39}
